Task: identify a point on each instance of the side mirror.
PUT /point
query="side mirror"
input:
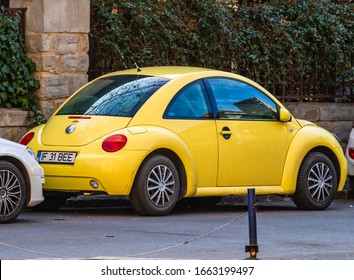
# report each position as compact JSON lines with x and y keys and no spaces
{"x":284,"y":115}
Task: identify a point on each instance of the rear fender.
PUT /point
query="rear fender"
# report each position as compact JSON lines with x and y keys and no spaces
{"x":156,"y":138}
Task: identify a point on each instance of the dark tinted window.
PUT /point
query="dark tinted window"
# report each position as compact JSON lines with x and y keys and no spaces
{"x":238,"y":100}
{"x":190,"y":103}
{"x":113,"y":96}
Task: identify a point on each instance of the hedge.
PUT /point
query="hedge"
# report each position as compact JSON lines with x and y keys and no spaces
{"x":269,"y":40}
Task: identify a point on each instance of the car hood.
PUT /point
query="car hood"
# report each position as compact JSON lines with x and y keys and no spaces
{"x":79,"y":130}
{"x":11,"y":148}
{"x":305,"y":123}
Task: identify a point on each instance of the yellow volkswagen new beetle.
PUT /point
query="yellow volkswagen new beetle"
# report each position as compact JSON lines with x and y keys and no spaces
{"x":156,"y":135}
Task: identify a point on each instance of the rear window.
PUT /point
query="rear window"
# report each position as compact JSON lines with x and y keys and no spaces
{"x":113,"y":96}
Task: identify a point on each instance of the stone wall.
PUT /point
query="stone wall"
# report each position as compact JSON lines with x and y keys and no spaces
{"x":57,"y":41}
{"x":335,"y":117}
{"x":13,"y":124}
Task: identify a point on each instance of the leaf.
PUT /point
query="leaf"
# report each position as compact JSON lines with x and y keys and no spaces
{"x":5,"y":69}
{"x":3,"y":96}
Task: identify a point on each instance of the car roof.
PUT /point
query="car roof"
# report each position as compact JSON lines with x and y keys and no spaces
{"x":169,"y":72}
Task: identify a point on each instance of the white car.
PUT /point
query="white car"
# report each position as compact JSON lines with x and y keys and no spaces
{"x":21,"y":179}
{"x":349,"y":154}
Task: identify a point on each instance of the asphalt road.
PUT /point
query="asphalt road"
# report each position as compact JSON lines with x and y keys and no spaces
{"x":110,"y":229}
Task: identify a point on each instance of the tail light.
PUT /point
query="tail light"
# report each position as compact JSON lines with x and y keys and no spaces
{"x":27,"y":138}
{"x":351,"y":153}
{"x":114,"y":143}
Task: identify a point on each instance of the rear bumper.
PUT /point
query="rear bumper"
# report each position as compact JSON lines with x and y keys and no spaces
{"x":113,"y":172}
{"x":36,"y":179}
{"x":36,"y":194}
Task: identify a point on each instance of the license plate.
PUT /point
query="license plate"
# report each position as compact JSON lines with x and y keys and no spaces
{"x":56,"y":157}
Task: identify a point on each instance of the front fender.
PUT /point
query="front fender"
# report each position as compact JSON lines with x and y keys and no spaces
{"x":307,"y":139}
{"x":150,"y":139}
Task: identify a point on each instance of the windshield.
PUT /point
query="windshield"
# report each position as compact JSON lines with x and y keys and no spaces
{"x":113,"y":96}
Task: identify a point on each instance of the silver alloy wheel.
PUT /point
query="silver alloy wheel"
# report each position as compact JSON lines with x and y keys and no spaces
{"x":320,"y":182}
{"x":10,"y":193}
{"x":160,"y":185}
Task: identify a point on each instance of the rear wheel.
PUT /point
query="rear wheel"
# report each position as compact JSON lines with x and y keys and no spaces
{"x":12,"y":192}
{"x":316,"y":183}
{"x":156,"y":187}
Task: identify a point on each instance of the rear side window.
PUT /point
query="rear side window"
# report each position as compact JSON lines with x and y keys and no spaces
{"x":113,"y":96}
{"x":191,"y":102}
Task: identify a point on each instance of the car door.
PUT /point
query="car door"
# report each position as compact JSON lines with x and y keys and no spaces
{"x":252,"y":141}
{"x":190,"y":116}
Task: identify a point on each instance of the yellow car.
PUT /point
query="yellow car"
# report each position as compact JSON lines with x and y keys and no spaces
{"x":156,"y":135}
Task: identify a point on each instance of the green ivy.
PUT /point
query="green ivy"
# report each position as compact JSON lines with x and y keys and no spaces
{"x":161,"y":33}
{"x":270,"y":40}
{"x":17,"y":86}
{"x":304,"y":37}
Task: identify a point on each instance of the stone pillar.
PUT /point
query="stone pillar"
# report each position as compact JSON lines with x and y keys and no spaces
{"x":57,"y":41}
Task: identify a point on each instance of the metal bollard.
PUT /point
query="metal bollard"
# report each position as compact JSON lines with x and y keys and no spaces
{"x":252,"y":248}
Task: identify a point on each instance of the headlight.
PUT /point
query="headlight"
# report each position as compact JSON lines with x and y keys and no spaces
{"x":31,"y":153}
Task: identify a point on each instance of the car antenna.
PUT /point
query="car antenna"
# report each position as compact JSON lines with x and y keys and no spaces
{"x":136,"y":65}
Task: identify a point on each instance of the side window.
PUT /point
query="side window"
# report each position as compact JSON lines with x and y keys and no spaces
{"x":191,"y":102}
{"x":238,"y":100}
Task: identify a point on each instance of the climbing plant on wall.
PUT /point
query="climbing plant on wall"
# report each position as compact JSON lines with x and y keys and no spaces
{"x":17,"y":85}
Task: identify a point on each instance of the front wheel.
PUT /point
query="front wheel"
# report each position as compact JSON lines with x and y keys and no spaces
{"x":316,"y":183}
{"x":12,"y":192}
{"x":156,"y":187}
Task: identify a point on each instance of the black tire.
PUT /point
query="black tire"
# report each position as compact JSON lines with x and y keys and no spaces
{"x":156,"y":187}
{"x":316,"y":183}
{"x":13,"y":192}
{"x":50,"y":203}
